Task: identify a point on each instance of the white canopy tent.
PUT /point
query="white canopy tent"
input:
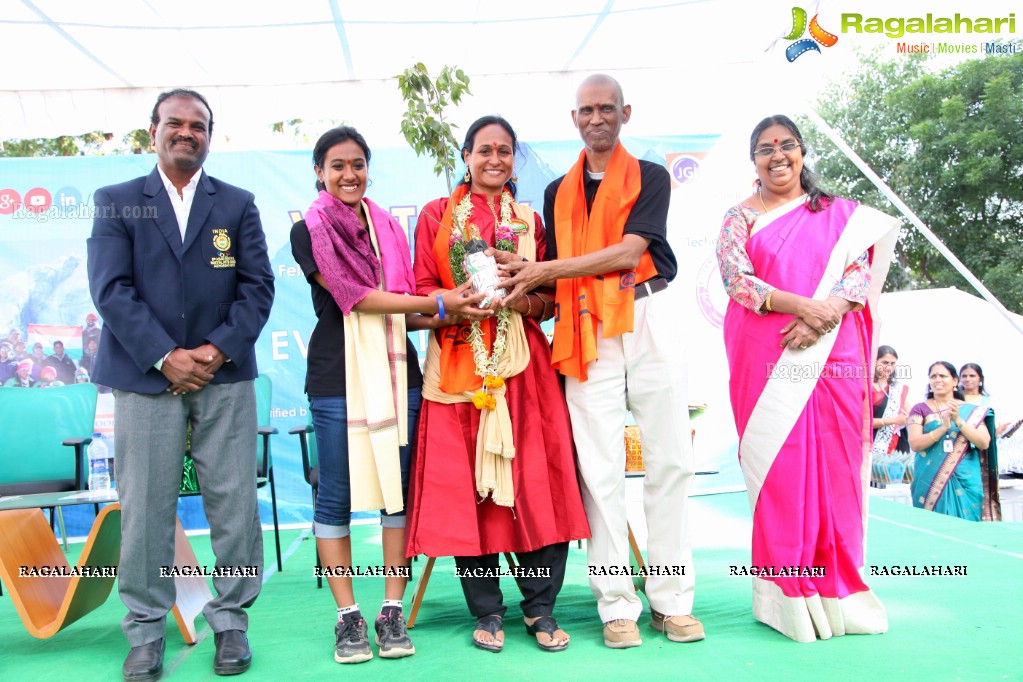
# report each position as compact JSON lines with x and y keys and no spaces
{"x":687,"y":65}
{"x":690,"y":65}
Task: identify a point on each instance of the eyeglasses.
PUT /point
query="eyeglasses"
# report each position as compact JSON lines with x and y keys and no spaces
{"x":786,"y":148}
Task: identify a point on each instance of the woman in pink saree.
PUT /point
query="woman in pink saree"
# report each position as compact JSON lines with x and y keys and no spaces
{"x":803,"y":271}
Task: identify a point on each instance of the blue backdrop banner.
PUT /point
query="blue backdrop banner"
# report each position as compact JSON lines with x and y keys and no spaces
{"x":46,"y":212}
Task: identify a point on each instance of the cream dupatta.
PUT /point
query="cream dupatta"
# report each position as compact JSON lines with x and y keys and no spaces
{"x":377,"y":403}
{"x":495,"y":448}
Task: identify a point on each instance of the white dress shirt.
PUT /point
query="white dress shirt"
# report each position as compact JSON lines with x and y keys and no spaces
{"x":182,"y":203}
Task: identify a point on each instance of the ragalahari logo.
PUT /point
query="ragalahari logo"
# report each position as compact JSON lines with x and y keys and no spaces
{"x":818,"y":35}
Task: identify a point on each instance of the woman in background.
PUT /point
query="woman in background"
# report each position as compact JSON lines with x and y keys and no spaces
{"x":890,"y":413}
{"x":1010,"y":449}
{"x":971,"y":383}
{"x":955,"y":471}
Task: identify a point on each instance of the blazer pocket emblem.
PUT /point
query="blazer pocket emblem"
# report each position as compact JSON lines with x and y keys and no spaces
{"x":222,"y":244}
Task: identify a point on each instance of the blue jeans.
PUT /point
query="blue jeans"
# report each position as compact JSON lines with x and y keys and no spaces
{"x":333,"y":514}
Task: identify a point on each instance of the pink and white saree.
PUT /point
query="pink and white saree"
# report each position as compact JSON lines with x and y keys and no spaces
{"x":803,"y":418}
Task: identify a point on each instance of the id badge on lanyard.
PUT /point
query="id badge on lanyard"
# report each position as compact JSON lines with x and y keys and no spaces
{"x":948,"y":443}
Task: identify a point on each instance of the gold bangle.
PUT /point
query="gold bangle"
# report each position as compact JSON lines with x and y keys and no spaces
{"x":767,"y":301}
{"x":529,"y":306}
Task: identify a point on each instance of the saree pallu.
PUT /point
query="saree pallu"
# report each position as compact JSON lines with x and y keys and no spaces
{"x":888,"y":466}
{"x":803,"y":418}
{"x":964,"y":482}
{"x":886,"y":437}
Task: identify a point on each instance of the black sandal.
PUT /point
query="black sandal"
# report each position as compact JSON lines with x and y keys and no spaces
{"x":493,"y":625}
{"x":548,"y":625}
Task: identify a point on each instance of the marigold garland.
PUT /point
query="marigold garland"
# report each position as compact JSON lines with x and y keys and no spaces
{"x":484,"y":401}
{"x":505,"y":236}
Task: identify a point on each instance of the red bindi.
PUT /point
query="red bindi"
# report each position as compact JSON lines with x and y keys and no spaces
{"x":776,"y":140}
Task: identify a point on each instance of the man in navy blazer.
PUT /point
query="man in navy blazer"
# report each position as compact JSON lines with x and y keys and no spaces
{"x":179,"y":272}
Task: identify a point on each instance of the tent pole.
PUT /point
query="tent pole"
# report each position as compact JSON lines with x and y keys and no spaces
{"x":911,"y":216}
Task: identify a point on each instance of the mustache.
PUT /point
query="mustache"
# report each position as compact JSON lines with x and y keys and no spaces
{"x":186,"y":140}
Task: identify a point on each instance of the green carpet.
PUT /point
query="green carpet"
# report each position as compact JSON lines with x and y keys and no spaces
{"x":940,"y":628}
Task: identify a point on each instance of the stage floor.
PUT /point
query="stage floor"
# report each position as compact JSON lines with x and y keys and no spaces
{"x":940,"y":627}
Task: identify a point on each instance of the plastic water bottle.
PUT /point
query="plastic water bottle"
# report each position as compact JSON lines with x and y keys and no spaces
{"x":99,"y":464}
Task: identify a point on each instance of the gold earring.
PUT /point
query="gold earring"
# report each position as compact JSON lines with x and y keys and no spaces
{"x":514,"y":178}
{"x":467,"y":177}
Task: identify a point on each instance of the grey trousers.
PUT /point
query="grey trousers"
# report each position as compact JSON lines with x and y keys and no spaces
{"x":149,"y":441}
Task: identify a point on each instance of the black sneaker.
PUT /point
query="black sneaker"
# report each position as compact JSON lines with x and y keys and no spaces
{"x":352,"y":640}
{"x":392,"y":638}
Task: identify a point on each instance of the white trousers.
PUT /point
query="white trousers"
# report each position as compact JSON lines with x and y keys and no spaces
{"x":646,"y":371}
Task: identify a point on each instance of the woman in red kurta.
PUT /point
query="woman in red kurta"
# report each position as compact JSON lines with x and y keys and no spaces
{"x":465,"y":500}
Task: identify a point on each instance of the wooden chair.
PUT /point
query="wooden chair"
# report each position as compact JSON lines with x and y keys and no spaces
{"x":634,"y":469}
{"x":48,"y":604}
{"x":424,"y":580}
{"x":310,"y":469}
{"x":191,"y":592}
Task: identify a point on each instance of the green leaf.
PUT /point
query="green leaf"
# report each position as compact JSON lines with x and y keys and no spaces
{"x":424,"y":124}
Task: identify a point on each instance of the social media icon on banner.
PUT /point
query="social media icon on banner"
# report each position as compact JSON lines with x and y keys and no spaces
{"x":37,"y":200}
{"x":9,"y":201}
{"x":68,"y":197}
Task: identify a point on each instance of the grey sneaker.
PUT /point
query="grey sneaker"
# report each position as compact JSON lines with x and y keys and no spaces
{"x":352,"y":644}
{"x":391,"y":637}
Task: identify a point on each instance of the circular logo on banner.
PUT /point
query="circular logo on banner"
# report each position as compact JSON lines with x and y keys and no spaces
{"x":684,"y":168}
{"x":68,"y":197}
{"x":37,"y":200}
{"x":9,"y":201}
{"x":708,"y":288}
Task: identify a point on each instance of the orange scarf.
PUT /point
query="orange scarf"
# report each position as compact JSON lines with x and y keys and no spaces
{"x":457,"y":365}
{"x":607,"y":298}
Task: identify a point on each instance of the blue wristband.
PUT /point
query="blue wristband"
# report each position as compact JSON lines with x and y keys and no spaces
{"x":440,"y":307}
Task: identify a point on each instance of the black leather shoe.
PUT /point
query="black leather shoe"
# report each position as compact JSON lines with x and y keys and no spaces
{"x":144,"y":663}
{"x":233,"y":653}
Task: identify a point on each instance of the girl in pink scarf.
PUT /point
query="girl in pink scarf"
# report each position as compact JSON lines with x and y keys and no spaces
{"x":363,"y":393}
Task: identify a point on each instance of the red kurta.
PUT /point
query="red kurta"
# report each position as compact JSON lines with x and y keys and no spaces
{"x":446,"y":516}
